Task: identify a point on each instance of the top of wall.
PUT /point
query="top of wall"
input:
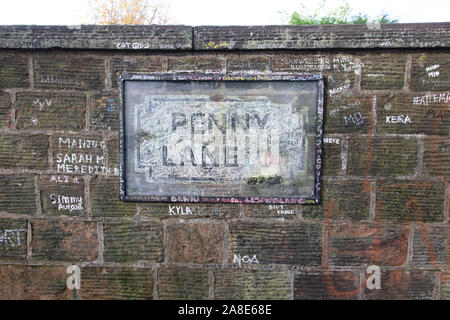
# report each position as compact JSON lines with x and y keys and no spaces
{"x":211,"y":38}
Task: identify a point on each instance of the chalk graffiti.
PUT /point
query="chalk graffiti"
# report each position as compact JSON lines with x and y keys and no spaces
{"x":55,"y":80}
{"x":432,"y":72}
{"x":355,"y":119}
{"x":132,"y":45}
{"x":64,"y":179}
{"x":67,"y":203}
{"x":280,"y":208}
{"x":432,"y":98}
{"x":179,"y":210}
{"x":340,"y":89}
{"x":11,"y":237}
{"x":237,"y":259}
{"x":398,"y":119}
{"x":332,"y":112}
{"x":43,"y":103}
{"x":81,"y":143}
{"x":332,"y":140}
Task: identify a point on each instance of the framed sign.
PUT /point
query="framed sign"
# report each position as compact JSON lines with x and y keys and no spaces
{"x":221,"y":138}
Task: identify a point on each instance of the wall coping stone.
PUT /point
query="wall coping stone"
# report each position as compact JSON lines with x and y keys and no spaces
{"x":222,"y":38}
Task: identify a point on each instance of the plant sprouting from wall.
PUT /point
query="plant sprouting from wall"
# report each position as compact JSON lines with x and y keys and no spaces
{"x":343,"y":14}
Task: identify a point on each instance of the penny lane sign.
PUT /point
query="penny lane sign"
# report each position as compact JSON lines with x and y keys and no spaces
{"x":221,"y":138}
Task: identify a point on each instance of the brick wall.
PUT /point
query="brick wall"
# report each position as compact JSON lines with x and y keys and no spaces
{"x":386,"y":187}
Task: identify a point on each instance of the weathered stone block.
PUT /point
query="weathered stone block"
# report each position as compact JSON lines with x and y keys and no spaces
{"x":24,"y":151}
{"x":182,"y":283}
{"x":382,"y":156}
{"x":64,"y":240}
{"x":252,"y":285}
{"x":430,"y":71}
{"x":119,"y":283}
{"x":17,"y":194}
{"x":196,"y":242}
{"x":33,"y":283}
{"x":331,"y":156}
{"x":13,"y":238}
{"x":326,"y":285}
{"x":367,"y":243}
{"x":295,"y":244}
{"x":429,"y":246}
{"x":134,"y":64}
{"x":237,"y":63}
{"x":13,"y":70}
{"x":340,"y":70}
{"x":130,"y":241}
{"x":344,"y":199}
{"x":410,"y":114}
{"x":383,"y":71}
{"x":403,"y":201}
{"x":72,"y":72}
{"x":196,"y":63}
{"x":403,"y":285}
{"x":105,"y":199}
{"x":53,"y":111}
{"x":62,"y":196}
{"x":104,"y":112}
{"x":436,"y":156}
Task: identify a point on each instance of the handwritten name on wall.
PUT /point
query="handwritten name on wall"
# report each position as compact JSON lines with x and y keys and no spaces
{"x":87,"y":156}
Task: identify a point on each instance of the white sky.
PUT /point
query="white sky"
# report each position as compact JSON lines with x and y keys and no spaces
{"x":221,"y":12}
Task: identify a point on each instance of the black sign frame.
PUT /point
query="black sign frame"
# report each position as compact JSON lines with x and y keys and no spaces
{"x":170,"y":76}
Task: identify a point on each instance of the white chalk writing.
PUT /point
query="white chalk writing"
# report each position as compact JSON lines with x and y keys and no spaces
{"x":398,"y":119}
{"x":11,"y":237}
{"x":432,"y":98}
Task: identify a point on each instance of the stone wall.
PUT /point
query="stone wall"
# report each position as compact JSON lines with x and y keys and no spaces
{"x":385,"y":195}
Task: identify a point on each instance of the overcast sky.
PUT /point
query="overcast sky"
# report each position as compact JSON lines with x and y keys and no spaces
{"x":220,"y":12}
